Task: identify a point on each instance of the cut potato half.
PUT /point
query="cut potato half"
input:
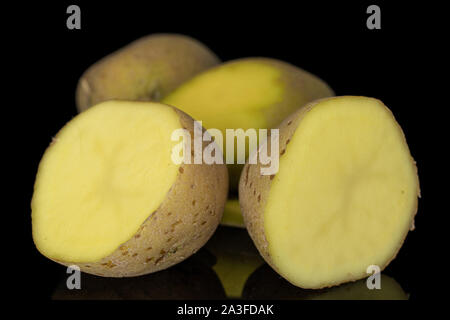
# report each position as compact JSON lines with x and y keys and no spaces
{"x":232,"y":216}
{"x":109,"y":198}
{"x":248,"y":93}
{"x":343,"y":199}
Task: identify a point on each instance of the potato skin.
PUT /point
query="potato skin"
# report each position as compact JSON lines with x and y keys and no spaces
{"x":254,"y":190}
{"x":147,"y":69}
{"x":182,"y":224}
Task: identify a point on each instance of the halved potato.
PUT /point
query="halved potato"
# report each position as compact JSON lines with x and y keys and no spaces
{"x":247,"y":93}
{"x":109,"y":198}
{"x":343,"y":199}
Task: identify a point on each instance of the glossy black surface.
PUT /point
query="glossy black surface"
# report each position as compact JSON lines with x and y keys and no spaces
{"x":229,"y":266}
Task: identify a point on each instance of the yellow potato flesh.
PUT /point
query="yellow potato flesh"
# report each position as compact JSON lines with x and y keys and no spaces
{"x":231,"y":96}
{"x":232,"y":215}
{"x":106,"y":172}
{"x":344,"y":196}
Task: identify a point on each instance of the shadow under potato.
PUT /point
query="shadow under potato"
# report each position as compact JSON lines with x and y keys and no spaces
{"x":190,"y":280}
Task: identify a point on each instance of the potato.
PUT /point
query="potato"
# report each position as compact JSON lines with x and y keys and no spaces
{"x":265,"y":284}
{"x":343,"y":199}
{"x":145,"y":70}
{"x":247,"y":93}
{"x":109,"y":198}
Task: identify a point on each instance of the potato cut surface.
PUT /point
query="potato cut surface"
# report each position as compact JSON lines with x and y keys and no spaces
{"x":232,"y":215}
{"x":248,"y":93}
{"x":106,"y":171}
{"x":230,"y":96}
{"x":345,"y":194}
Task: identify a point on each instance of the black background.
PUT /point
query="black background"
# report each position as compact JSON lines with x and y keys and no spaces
{"x":326,"y":38}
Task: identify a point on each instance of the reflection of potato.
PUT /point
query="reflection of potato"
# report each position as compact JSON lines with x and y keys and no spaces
{"x":191,"y":279}
{"x":236,"y":257}
{"x":265,"y":283}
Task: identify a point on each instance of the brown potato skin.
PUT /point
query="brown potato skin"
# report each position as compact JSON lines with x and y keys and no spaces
{"x":182,"y":224}
{"x":147,"y":69}
{"x":254,"y":190}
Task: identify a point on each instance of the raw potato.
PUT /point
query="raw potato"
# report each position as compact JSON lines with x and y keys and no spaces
{"x":109,"y":198}
{"x":343,"y":199}
{"x":232,"y":216}
{"x":145,"y":70}
{"x":247,"y":93}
